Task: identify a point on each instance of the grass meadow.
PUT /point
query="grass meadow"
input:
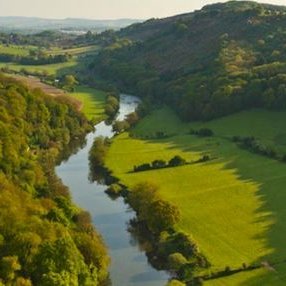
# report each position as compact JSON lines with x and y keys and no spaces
{"x":16,"y":50}
{"x":93,"y":101}
{"x":233,"y":206}
{"x":51,"y":69}
{"x":73,"y":51}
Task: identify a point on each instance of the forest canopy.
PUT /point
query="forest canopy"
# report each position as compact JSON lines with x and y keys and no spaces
{"x":39,"y":225}
{"x":216,"y":61}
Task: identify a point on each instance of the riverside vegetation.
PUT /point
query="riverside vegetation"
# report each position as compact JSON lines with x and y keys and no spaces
{"x":39,"y":224}
{"x":222,"y":66}
{"x":222,"y":71}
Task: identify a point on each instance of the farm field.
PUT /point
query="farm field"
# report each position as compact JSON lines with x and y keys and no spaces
{"x":57,"y":69}
{"x":25,"y":50}
{"x":73,"y":51}
{"x":93,"y":101}
{"x":52,"y":69}
{"x":16,"y":50}
{"x":232,"y":206}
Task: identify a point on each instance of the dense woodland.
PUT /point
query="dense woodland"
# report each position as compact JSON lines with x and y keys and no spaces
{"x":44,"y":238}
{"x":216,"y":61}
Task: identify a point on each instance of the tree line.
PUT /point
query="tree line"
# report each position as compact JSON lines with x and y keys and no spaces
{"x":37,"y":60}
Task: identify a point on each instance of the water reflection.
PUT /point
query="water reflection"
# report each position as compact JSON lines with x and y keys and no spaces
{"x":129,"y":265}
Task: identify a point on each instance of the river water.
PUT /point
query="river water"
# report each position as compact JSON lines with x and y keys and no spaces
{"x":129,"y":266}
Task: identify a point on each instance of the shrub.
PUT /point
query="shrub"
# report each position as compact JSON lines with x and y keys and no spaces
{"x":114,"y":190}
{"x":156,"y":164}
{"x":203,"y":132}
{"x":176,"y":260}
{"x":177,"y":161}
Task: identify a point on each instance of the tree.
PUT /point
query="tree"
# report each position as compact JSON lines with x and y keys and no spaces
{"x":69,"y":82}
{"x":120,"y":126}
{"x":176,"y":260}
{"x":157,"y":164}
{"x":141,"y":196}
{"x":9,"y":265}
{"x":132,"y":118}
{"x":162,"y":215}
{"x":177,"y":161}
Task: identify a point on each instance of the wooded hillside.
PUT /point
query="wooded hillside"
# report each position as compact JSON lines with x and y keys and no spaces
{"x":206,"y":64}
{"x":44,"y":238}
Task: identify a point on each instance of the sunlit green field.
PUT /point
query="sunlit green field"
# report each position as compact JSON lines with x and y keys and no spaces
{"x":233,"y":206}
{"x":73,"y":51}
{"x":52,"y":69}
{"x":16,"y":50}
{"x":93,"y":101}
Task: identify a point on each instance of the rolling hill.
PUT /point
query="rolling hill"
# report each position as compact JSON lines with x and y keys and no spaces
{"x":209,"y":63}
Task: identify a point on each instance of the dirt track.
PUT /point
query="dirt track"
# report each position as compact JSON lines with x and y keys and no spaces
{"x":34,"y":82}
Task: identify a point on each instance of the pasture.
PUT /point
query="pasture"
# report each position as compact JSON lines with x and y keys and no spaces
{"x":16,"y":50}
{"x":232,"y":206}
{"x":52,"y":69}
{"x":73,"y":51}
{"x":93,"y":101}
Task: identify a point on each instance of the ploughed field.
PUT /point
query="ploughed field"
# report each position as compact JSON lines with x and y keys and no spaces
{"x":233,"y":205}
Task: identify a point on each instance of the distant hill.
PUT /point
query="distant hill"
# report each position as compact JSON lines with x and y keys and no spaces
{"x":26,"y":24}
{"x":218,"y":60}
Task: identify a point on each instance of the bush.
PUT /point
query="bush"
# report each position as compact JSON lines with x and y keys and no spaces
{"x":176,"y":260}
{"x":203,"y":132}
{"x":205,"y":158}
{"x":255,"y":146}
{"x":177,"y":161}
{"x":157,"y":164}
{"x":143,"y":167}
{"x":114,"y":190}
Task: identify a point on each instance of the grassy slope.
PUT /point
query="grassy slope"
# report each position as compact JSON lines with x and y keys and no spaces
{"x":52,"y":69}
{"x":73,"y":51}
{"x":93,"y":101}
{"x":16,"y":50}
{"x":233,"y":206}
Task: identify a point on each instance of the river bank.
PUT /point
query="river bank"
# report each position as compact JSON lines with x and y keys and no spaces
{"x":129,"y":263}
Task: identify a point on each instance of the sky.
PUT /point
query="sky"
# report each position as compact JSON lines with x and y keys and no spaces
{"x":105,"y":9}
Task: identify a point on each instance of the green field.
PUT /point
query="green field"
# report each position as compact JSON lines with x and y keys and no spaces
{"x":16,"y":50}
{"x":232,"y":206}
{"x":73,"y":51}
{"x":93,"y":102}
{"x":52,"y":69}
{"x":25,"y":50}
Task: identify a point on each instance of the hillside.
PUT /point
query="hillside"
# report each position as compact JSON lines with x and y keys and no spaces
{"x":232,"y":206}
{"x":206,"y":64}
{"x":39,"y":224}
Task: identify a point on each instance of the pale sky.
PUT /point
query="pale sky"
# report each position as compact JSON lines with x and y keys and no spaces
{"x":104,"y":9}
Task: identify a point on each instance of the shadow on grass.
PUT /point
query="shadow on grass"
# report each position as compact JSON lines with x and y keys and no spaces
{"x":270,"y":178}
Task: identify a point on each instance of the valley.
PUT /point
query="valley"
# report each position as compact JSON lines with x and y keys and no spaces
{"x":184,"y":181}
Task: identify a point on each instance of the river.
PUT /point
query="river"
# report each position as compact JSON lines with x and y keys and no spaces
{"x":129,"y":266}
